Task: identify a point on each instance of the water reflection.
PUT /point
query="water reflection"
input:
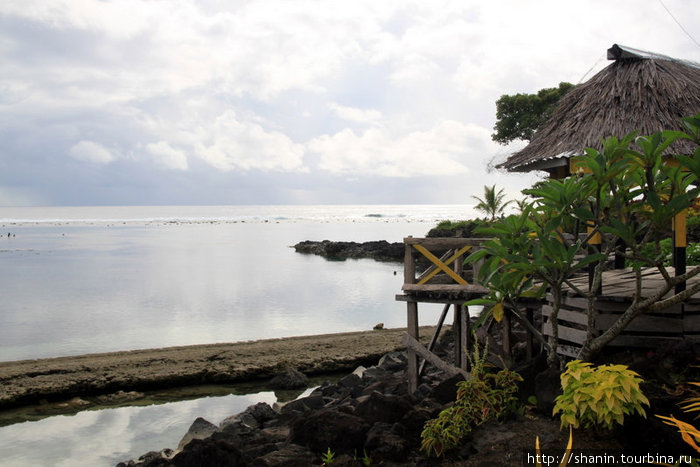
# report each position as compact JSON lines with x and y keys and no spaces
{"x":105,"y":288}
{"x":102,"y":436}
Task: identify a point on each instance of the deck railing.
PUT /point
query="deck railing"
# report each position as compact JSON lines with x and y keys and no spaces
{"x":446,"y":272}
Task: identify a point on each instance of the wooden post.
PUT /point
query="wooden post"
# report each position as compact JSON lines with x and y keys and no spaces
{"x":505,"y":329}
{"x":530,"y":316}
{"x":458,"y":331}
{"x":594,"y":247}
{"x":436,"y":336}
{"x":409,"y":264}
{"x":412,"y":330}
{"x":620,"y":254}
{"x":464,"y":338}
{"x":679,"y":246}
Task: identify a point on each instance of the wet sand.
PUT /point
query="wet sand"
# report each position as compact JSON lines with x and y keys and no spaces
{"x":30,"y":381}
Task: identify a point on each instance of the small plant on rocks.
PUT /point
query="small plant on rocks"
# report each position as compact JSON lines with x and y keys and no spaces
{"x":484,"y":396}
{"x":328,"y":457}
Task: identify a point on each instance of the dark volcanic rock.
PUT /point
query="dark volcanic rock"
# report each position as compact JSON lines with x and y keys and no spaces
{"x":372,"y":414}
{"x":208,"y":452}
{"x":288,"y":455}
{"x":199,"y":429}
{"x":289,"y":378}
{"x":547,"y":387}
{"x":379,"y":250}
{"x":380,"y":407}
{"x":385,"y":444}
{"x":321,"y":429}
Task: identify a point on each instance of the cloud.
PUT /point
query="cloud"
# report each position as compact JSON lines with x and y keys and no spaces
{"x":445,"y":149}
{"x":167,"y":156}
{"x":89,"y":151}
{"x":352,"y":114}
{"x":285,"y":95}
{"x":232,"y":144}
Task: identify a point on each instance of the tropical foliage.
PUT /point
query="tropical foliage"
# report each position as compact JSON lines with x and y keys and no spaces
{"x":518,"y":116}
{"x":689,"y":433}
{"x":493,"y":204}
{"x":622,"y":200}
{"x":484,"y":396}
{"x":598,"y":396}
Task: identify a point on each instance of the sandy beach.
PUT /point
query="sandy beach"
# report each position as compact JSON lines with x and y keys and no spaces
{"x":29,"y":381}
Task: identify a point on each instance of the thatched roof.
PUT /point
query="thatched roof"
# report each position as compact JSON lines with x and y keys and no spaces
{"x":639,"y":91}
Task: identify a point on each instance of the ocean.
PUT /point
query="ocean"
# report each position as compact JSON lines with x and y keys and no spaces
{"x":78,"y":280}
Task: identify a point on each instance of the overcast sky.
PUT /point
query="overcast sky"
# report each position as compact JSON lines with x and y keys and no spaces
{"x":285,"y":102}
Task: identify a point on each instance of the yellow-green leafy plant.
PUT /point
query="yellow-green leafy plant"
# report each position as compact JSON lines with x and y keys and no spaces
{"x":598,"y":396}
{"x":689,"y":433}
{"x":484,"y":396}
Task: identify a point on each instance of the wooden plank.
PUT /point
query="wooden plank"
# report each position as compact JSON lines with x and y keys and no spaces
{"x":432,"y":269}
{"x":691,"y":307}
{"x":436,"y":261}
{"x":691,"y":323}
{"x":465,"y":288}
{"x":575,"y":302}
{"x":642,"y":341}
{"x":444,"y":242}
{"x":619,"y":307}
{"x":566,"y":315}
{"x":565,"y":333}
{"x":434,"y":272}
{"x":642,"y":323}
{"x":413,"y":298}
{"x":568,"y":350}
{"x":414,"y":346}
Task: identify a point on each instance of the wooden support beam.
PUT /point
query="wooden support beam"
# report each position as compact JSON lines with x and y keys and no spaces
{"x":414,"y":346}
{"x":412,"y":331}
{"x":432,"y":270}
{"x":409,"y":265}
{"x":442,"y":266}
{"x":444,"y":261}
{"x":462,"y":341}
{"x":434,"y":339}
{"x":680,"y":243}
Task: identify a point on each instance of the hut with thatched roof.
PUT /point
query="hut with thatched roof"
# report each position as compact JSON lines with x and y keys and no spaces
{"x":640,"y":91}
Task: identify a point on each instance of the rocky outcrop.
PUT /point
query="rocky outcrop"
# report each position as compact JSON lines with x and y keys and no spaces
{"x":367,"y":413}
{"x":378,"y":250}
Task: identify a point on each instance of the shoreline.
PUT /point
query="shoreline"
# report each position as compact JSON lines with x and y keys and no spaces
{"x":26,"y":382}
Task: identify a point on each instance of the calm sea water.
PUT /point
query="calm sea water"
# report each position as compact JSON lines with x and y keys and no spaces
{"x":83,"y":280}
{"x":96,"y":279}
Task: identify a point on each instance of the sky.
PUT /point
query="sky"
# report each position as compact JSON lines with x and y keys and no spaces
{"x":218,"y":102}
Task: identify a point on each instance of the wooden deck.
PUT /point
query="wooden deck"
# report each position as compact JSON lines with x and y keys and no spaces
{"x":619,"y":284}
{"x":677,"y":323}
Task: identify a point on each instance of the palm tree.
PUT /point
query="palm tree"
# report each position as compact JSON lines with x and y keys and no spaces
{"x":492,"y":204}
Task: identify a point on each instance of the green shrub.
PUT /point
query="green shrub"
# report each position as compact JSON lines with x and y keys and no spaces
{"x":600,"y":396}
{"x":664,"y":249}
{"x":484,"y":396}
{"x":465,"y":229}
